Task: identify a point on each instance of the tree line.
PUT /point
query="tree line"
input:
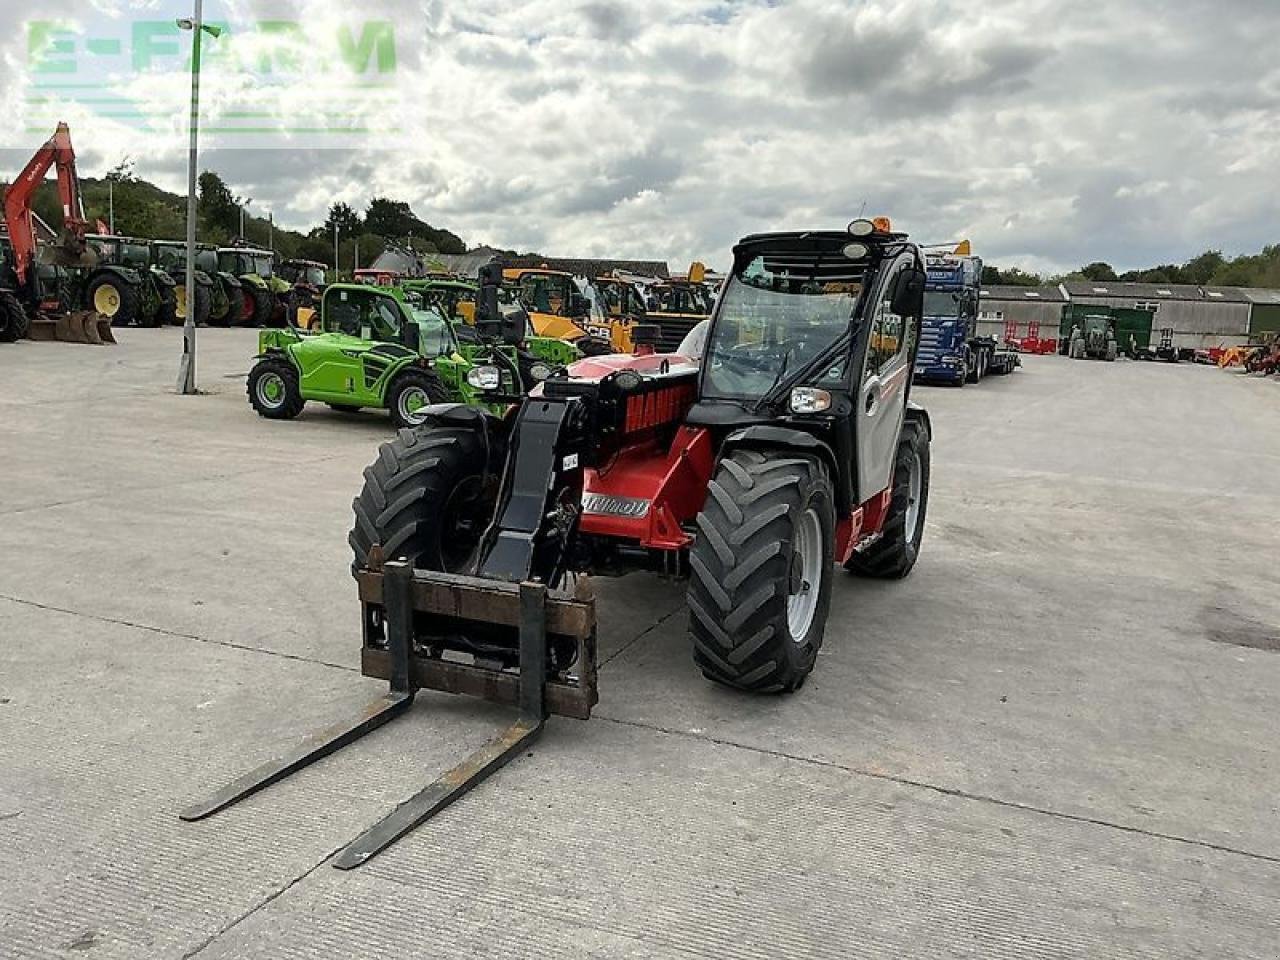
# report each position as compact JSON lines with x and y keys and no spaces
{"x":144,"y":210}
{"x":1209,"y":269}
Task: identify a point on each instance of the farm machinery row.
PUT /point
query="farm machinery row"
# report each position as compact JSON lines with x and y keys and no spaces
{"x":777,"y":443}
{"x":76,"y":283}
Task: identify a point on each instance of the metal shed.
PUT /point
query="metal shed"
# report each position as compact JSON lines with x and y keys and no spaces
{"x":1199,"y":316}
{"x":1021,"y":306}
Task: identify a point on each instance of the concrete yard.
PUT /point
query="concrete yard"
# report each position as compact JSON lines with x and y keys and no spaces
{"x":1057,"y":738}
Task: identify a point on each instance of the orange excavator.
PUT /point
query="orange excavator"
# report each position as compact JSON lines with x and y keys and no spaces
{"x":35,"y":282}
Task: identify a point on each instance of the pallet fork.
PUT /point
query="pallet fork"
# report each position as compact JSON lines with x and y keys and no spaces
{"x":402,"y":591}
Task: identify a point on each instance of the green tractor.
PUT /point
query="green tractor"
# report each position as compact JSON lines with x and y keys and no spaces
{"x":457,"y":300}
{"x":219,"y":298}
{"x":1093,"y":337}
{"x":265,"y":294}
{"x":123,"y":286}
{"x":374,"y":349}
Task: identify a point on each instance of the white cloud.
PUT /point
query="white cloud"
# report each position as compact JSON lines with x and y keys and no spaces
{"x":1049,"y":133}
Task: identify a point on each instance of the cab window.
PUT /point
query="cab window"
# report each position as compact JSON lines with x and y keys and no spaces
{"x":890,"y":333}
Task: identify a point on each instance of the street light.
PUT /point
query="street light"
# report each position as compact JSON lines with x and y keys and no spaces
{"x":187,"y":369}
{"x":247,"y":203}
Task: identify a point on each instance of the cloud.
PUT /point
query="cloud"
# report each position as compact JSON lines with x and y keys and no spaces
{"x":1048,"y":134}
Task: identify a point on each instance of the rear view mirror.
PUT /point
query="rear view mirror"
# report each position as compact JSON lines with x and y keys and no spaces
{"x":515,"y":324}
{"x":488,"y":316}
{"x":907,"y":298}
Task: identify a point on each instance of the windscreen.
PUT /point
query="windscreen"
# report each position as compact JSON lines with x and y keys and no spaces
{"x":941,"y":303}
{"x":261,"y":264}
{"x":314,"y":276}
{"x":206,"y":260}
{"x":779,"y":310}
{"x":436,"y":334}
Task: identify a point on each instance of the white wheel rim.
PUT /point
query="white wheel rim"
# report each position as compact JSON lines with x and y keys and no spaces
{"x":806,"y":548}
{"x":266,"y":385}
{"x":914,"y":483}
{"x":412,"y":401}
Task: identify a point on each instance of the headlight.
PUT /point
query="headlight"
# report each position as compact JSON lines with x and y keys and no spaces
{"x":484,"y":378}
{"x":809,"y":400}
{"x":539,"y":371}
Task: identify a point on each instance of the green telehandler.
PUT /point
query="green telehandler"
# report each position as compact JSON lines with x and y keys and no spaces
{"x":374,"y":349}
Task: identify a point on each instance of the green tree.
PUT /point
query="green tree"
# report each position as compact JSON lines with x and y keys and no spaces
{"x":1098,"y":271}
{"x":344,"y":218}
{"x":217,"y":206}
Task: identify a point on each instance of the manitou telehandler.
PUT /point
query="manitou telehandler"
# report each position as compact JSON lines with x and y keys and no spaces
{"x":41,"y":284}
{"x":788,"y":448}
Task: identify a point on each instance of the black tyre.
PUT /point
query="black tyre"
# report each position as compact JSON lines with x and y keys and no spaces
{"x":761,"y":570}
{"x":273,"y":389}
{"x":427,"y":499}
{"x":167,"y":312}
{"x":13,"y":318}
{"x":413,"y":389}
{"x":257,"y":306}
{"x":894,"y":554}
{"x":114,"y":299}
{"x":594,"y":347}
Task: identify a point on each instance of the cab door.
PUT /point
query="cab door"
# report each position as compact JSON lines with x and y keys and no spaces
{"x":882,"y":394}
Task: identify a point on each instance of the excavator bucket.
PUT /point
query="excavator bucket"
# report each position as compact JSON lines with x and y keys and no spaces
{"x":76,"y":326}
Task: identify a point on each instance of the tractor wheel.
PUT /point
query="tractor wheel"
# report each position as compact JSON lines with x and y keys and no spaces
{"x":760,"y":571}
{"x":412,"y":390}
{"x":204,"y":304}
{"x":594,"y":347}
{"x":235,"y":309}
{"x":425,"y":499}
{"x":273,"y":389}
{"x":257,"y":307}
{"x":114,"y":299}
{"x":167,"y":312}
{"x":1111,"y":352}
{"x":894,"y":554}
{"x":13,"y":318}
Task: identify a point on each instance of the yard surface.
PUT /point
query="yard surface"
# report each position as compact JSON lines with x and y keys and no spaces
{"x":1057,"y":738}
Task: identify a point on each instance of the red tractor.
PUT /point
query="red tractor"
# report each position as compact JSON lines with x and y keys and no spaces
{"x":789,"y":446}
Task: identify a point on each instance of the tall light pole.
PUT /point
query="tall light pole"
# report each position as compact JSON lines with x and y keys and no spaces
{"x":271,"y":231}
{"x":249,"y":202}
{"x":335,"y":250}
{"x":187,"y":369}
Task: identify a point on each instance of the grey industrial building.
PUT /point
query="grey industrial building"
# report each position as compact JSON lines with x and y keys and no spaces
{"x":1198,"y":316}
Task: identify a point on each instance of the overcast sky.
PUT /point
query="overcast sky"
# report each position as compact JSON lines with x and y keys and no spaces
{"x":1051,"y":133}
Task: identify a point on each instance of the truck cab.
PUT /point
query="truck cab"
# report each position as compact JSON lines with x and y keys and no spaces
{"x":951,"y":348}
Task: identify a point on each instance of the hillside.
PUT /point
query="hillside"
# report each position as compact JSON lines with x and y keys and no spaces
{"x":1209,"y":269}
{"x":143,"y":209}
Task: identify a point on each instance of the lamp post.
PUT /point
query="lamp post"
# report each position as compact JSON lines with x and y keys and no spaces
{"x":187,"y":369}
{"x":247,"y":203}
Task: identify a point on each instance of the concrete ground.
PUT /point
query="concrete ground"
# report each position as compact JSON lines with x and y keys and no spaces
{"x":1056,"y":739}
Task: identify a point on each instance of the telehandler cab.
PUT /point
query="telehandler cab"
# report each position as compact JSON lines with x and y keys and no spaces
{"x":791,"y":446}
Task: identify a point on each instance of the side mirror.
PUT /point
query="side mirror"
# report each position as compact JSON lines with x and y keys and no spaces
{"x":411,"y":336}
{"x":515,"y":325}
{"x":488,"y":316}
{"x":907,"y":298}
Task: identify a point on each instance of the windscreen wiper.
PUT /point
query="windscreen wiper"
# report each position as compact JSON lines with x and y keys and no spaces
{"x":824,"y":358}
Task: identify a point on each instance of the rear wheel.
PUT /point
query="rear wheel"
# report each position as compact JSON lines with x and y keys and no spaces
{"x":273,"y":389}
{"x":411,"y":391}
{"x":167,"y":314}
{"x":114,"y":299}
{"x":257,"y":306}
{"x":760,"y":571}
{"x":13,"y":318}
{"x":894,"y":554}
{"x":425,"y":499}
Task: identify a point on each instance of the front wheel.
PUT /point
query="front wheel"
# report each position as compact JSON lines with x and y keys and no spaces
{"x":427,"y":499}
{"x":412,"y":391}
{"x":594,"y":346}
{"x":892,"y":556}
{"x":273,"y":389}
{"x":114,"y":299}
{"x":760,"y":571}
